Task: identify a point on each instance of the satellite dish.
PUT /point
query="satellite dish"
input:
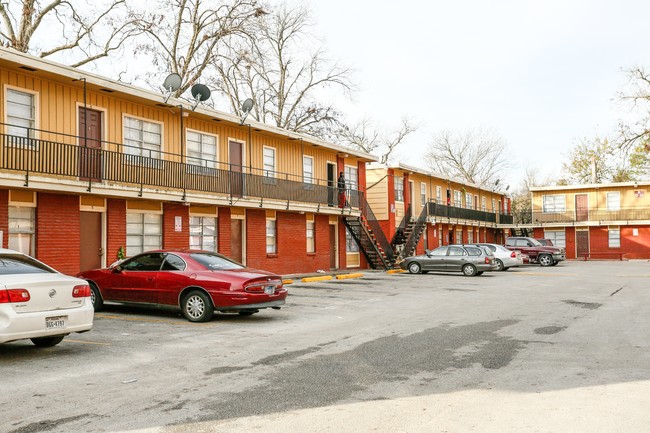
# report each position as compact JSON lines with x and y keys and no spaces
{"x":507,"y":187}
{"x":246,"y":108}
{"x":171,"y":84}
{"x":201,"y":93}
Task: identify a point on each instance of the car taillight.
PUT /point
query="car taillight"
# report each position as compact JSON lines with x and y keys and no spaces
{"x":487,"y":260}
{"x":81,"y":291}
{"x":14,"y":295}
{"x":513,"y":255}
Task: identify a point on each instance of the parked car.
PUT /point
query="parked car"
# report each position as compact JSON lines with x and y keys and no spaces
{"x":471,"y":260}
{"x":39,"y":303}
{"x":198,"y":282}
{"x":545,"y":242}
{"x":504,"y":257}
{"x":538,"y":253}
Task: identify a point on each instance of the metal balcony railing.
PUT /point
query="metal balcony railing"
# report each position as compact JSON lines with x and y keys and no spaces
{"x":452,"y":212}
{"x":573,"y":217}
{"x":117,"y":163}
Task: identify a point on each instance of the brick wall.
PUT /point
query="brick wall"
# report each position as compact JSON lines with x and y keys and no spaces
{"x":171,"y":238}
{"x":4,"y":217}
{"x":115,"y":228}
{"x":223,"y":231}
{"x":58,"y":232}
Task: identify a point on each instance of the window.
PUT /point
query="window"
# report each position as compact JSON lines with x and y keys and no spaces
{"x":21,"y":229}
{"x":614,"y":237}
{"x":21,"y":113}
{"x":350,"y":244}
{"x":201,"y":149}
{"x":553,"y":203}
{"x":614,"y":200}
{"x":311,"y":240}
{"x":423,"y":194}
{"x":474,"y":251}
{"x":456,"y":251}
{"x":470,"y":237}
{"x":173,"y":263}
{"x":203,"y":233}
{"x":483,"y":204}
{"x":468,"y":200}
{"x":475,"y":202}
{"x":269,"y":161}
{"x":19,"y":264}
{"x":458,"y":199}
{"x":145,"y":263}
{"x":271,"y":238}
{"x":307,"y":169}
{"x":442,"y":251}
{"x":557,"y":237}
{"x":143,"y":232}
{"x":494,"y":205}
{"x":142,"y":138}
{"x":459,"y":237}
{"x":438,"y":194}
{"x":399,"y":189}
{"x":352,"y":183}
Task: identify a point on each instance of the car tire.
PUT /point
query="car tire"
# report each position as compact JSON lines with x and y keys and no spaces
{"x":555,"y":263}
{"x":47,"y":341}
{"x":500,"y":266}
{"x":197,"y":306}
{"x":480,"y":273}
{"x":505,"y":269}
{"x":469,"y":270}
{"x":414,"y":268}
{"x":96,"y":297}
{"x":545,"y":260}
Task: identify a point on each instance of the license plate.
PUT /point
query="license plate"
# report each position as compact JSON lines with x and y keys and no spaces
{"x":269,"y":290}
{"x":55,"y":322}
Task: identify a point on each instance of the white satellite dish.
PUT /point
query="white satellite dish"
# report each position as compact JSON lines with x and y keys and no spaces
{"x":246,"y":108}
{"x":171,"y":84}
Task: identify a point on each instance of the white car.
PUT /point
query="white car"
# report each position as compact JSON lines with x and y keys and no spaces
{"x":39,"y":303}
{"x":505,"y":258}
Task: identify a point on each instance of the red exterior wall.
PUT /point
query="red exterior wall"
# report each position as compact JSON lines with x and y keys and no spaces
{"x":391,"y":204}
{"x":223,"y":232}
{"x":406,"y":187}
{"x":171,"y":238}
{"x":4,"y":217}
{"x":58,"y":231}
{"x":116,"y":228}
{"x":635,"y":247}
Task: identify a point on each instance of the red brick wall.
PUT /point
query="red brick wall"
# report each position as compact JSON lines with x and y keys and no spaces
{"x":391,"y":204}
{"x":171,"y":238}
{"x":4,"y":217}
{"x":635,"y":247}
{"x":343,"y":262}
{"x":570,"y":236}
{"x":223,"y":231}
{"x":58,"y":232}
{"x":116,"y":228}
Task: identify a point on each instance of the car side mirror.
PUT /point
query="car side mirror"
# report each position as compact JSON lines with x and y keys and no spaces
{"x":116,"y":269}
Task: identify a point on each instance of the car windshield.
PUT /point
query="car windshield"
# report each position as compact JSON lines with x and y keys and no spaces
{"x":19,"y":264}
{"x":216,"y":262}
{"x":535,"y":242}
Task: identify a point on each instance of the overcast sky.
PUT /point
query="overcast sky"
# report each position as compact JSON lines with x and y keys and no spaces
{"x":540,"y":73}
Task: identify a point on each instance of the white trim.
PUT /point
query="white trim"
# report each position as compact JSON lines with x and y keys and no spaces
{"x":37,"y":107}
{"x":243,"y":152}
{"x":313,"y":169}
{"x":216,"y":144}
{"x":144,"y":119}
{"x":275,"y":161}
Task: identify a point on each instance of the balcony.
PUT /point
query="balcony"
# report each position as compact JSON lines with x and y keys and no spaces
{"x":114,"y":163}
{"x":459,"y":213}
{"x":570,"y":216}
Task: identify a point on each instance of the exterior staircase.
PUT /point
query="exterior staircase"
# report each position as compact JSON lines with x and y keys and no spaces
{"x":409,"y":232}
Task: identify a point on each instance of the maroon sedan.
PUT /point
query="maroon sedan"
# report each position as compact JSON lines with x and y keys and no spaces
{"x":199,"y":282}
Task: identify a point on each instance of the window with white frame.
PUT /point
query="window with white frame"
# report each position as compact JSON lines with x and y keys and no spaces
{"x":143,"y":232}
{"x":21,"y":113}
{"x":470,"y":236}
{"x":201,"y":149}
{"x":399,"y":189}
{"x":271,"y":236}
{"x":553,"y":203}
{"x":351,"y":178}
{"x":483,"y":204}
{"x":311,"y":237}
{"x":423,"y":193}
{"x":458,"y":198}
{"x":469,"y":200}
{"x":307,"y":169}
{"x":269,"y":161}
{"x":614,"y":236}
{"x":475,"y":202}
{"x":558,"y":237}
{"x":494,"y":205}
{"x":614,"y":200}
{"x":203,"y":233}
{"x":351,"y":245}
{"x":142,"y":138}
{"x":459,"y":236}
{"x":22,"y":225}
{"x":438,"y":194}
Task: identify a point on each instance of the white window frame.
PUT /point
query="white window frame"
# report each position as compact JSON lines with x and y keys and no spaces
{"x":34,"y":123}
{"x":351,"y":174}
{"x":483,"y":204}
{"x":399,"y":188}
{"x":554,"y":203}
{"x":458,"y":198}
{"x":271,"y":236}
{"x":198,"y":225}
{"x":614,"y":237}
{"x":308,"y":175}
{"x":469,"y":200}
{"x":459,"y":236}
{"x":614,"y":201}
{"x":423,"y":194}
{"x":438,"y":194}
{"x":19,"y":231}
{"x":133,"y":248}
{"x":269,"y":171}
{"x":470,"y":236}
{"x":141,"y":150}
{"x":558,"y":237}
{"x":311,"y":236}
{"x":351,"y":245}
{"x":203,"y":159}
{"x":494,"y":206}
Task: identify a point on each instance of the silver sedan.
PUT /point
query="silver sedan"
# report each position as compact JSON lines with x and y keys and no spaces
{"x":505,"y":258}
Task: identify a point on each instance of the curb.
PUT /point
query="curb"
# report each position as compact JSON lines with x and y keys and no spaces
{"x":314,"y":279}
{"x":346,"y":276}
{"x":395,"y":271}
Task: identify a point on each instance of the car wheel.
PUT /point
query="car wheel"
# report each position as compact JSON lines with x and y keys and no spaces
{"x":545,"y":260}
{"x":500,"y":266}
{"x":555,"y":263}
{"x":469,"y":270}
{"x":480,"y":273}
{"x":47,"y":341}
{"x":505,"y":269}
{"x":96,"y":297}
{"x":197,"y":306}
{"x":414,"y":268}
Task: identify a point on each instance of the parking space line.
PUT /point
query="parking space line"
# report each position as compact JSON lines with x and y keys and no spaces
{"x":542,"y":274}
{"x":137,"y":319}
{"x":96,"y":343}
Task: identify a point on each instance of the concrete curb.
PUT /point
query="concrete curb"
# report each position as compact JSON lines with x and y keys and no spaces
{"x":315,"y":279}
{"x":346,"y":276}
{"x":395,"y":271}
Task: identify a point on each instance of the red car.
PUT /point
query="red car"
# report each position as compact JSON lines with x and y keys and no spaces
{"x":199,"y":282}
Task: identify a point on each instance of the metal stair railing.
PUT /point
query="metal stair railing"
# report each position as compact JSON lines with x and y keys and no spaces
{"x":380,"y":238}
{"x":365,"y":240}
{"x":401,"y":229}
{"x":414,"y":236}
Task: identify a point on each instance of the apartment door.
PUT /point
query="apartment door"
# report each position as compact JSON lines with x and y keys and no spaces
{"x":331,"y":184}
{"x":582,"y":207}
{"x":91,"y":245}
{"x":237,"y":240}
{"x":333,"y":249}
{"x":90,"y":144}
{"x":236,"y":159}
{"x":582,"y":243}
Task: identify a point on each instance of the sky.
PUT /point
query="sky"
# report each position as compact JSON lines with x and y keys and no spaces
{"x":541,"y":74}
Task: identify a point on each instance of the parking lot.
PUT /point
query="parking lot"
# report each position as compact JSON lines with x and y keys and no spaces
{"x":563,"y":348}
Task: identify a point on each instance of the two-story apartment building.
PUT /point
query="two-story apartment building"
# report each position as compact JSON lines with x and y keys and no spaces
{"x":434,"y":209}
{"x":596,"y":221}
{"x":92,"y":169}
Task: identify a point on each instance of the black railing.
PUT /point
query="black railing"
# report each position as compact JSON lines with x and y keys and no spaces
{"x":573,"y":217}
{"x":373,"y":223}
{"x":416,"y":233}
{"x":452,"y":212}
{"x":126,"y":165}
{"x":505,"y":218}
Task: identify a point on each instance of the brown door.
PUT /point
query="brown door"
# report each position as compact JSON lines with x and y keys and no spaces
{"x":90,"y":144}
{"x":332,"y":246}
{"x":236,"y":172}
{"x":236,"y":238}
{"x":91,"y":241}
{"x":582,"y":243}
{"x":582,"y":207}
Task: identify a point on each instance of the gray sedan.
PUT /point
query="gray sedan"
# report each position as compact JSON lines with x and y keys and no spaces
{"x":471,"y":260}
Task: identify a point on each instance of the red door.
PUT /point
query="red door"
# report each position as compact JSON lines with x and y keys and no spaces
{"x":582,"y":207}
{"x":236,"y":165}
{"x":90,"y":144}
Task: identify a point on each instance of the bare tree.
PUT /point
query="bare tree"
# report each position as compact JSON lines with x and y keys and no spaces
{"x":283,"y":71}
{"x":365,"y":136}
{"x":476,"y":155}
{"x":88,"y":31}
{"x":636,"y":136}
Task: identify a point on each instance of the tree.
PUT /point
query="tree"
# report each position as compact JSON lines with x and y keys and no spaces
{"x":88,"y":31}
{"x":365,"y":136}
{"x":522,"y":206}
{"x":476,"y":155}
{"x":635,"y":136}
